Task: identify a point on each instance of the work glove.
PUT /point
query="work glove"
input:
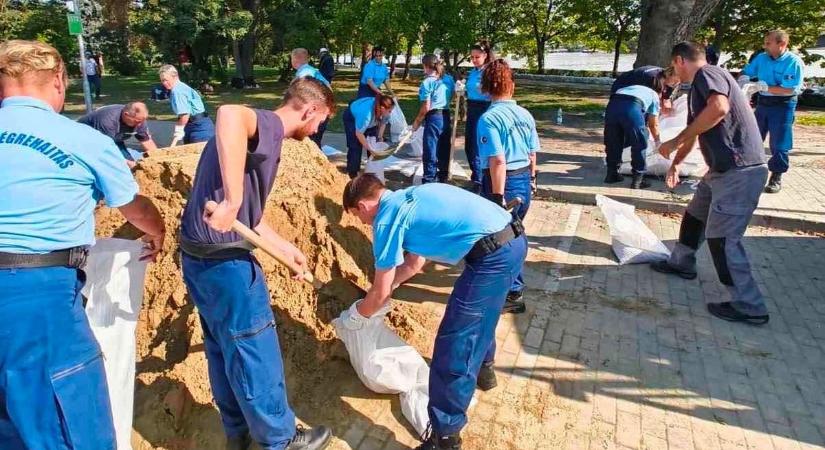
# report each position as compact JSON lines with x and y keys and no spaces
{"x":178,"y":133}
{"x":498,"y":199}
{"x":460,"y":86}
{"x":762,"y":86}
{"x":743,"y":80}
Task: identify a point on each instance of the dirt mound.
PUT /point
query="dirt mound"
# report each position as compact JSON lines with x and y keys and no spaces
{"x":173,"y":407}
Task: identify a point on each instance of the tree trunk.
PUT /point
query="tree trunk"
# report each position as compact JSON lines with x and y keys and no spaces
{"x":236,"y":55}
{"x":617,"y":50}
{"x":364,"y":53}
{"x":393,"y":58}
{"x":408,"y":58}
{"x":667,"y":22}
{"x":540,"y":48}
{"x":248,"y":43}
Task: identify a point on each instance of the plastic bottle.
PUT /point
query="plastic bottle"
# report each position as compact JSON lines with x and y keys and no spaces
{"x":559,"y":117}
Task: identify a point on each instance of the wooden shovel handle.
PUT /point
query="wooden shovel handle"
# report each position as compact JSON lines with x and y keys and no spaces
{"x":264,"y":245}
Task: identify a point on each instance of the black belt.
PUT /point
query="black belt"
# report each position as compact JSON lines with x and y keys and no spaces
{"x":775,"y":100}
{"x":439,"y":111}
{"x":484,"y":103}
{"x":73,"y":257}
{"x":196,"y":117}
{"x":635,"y":100}
{"x":226,"y":250}
{"x":492,"y":242}
{"x":510,"y":173}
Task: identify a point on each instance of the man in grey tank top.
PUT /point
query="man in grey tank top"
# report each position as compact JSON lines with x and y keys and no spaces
{"x":720,"y":117}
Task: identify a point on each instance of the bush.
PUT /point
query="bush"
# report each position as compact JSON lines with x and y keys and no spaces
{"x":133,"y":63}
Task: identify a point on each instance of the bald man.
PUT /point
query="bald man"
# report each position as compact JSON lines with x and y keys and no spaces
{"x":121,"y":122}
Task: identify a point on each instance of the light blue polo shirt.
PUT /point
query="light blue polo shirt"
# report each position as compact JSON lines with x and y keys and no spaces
{"x":363,"y":110}
{"x":648,"y":97}
{"x":437,"y":221}
{"x":510,"y":130}
{"x":185,"y":100}
{"x":308,"y":71}
{"x":378,"y":73}
{"x":784,"y":71}
{"x":436,"y":90}
{"x":54,"y":171}
{"x":474,"y":86}
{"x":448,"y":80}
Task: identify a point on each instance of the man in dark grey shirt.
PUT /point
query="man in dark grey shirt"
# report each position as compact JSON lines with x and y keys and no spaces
{"x":720,"y":116}
{"x":121,"y":122}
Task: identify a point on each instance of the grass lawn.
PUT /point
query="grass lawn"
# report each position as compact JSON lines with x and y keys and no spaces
{"x":811,"y":117}
{"x":542,"y":101}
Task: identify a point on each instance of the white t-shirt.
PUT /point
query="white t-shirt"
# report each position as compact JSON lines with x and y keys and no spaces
{"x":91,"y":67}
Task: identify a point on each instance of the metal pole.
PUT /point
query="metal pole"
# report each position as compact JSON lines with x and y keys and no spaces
{"x":75,"y":6}
{"x":87,"y":95}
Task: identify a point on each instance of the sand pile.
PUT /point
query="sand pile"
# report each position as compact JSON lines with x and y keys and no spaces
{"x":173,"y":408}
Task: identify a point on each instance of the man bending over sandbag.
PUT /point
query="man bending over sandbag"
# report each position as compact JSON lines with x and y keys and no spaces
{"x":226,"y":282}
{"x":446,"y":224}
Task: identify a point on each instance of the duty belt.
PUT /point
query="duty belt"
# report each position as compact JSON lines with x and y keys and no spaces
{"x":492,"y":242}
{"x":74,"y":257}
{"x":775,"y":100}
{"x":196,"y":117}
{"x":510,"y":173}
{"x":226,"y":250}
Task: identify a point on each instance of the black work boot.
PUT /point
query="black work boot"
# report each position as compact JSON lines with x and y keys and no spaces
{"x":238,"y":442}
{"x":726,"y":311}
{"x":665,"y":267}
{"x":639,"y":182}
{"x":451,"y":442}
{"x":613,"y":176}
{"x":314,"y":439}
{"x":774,"y":183}
{"x":514,"y":303}
{"x":486,"y":377}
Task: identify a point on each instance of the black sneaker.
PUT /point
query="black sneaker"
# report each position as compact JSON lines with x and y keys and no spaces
{"x":238,"y":443}
{"x":774,"y":184}
{"x":613,"y":177}
{"x":665,"y":267}
{"x":486,"y":377}
{"x":726,"y":311}
{"x":639,"y":182}
{"x":451,"y":442}
{"x":314,"y":439}
{"x":514,"y":303}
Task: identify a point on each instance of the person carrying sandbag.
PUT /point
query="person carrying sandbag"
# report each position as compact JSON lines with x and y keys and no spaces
{"x":446,"y":224}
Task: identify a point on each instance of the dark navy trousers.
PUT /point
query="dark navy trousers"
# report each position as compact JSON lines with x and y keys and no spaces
{"x":474,"y":111}
{"x":468,"y":332}
{"x":246,"y":369}
{"x":775,"y":118}
{"x":624,"y":125}
{"x":436,"y":155}
{"x":53,"y":390}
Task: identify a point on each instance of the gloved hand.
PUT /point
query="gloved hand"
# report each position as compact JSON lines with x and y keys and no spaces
{"x":743,"y":80}
{"x":534,"y":185}
{"x":352,"y":319}
{"x":762,"y":86}
{"x":178,"y":133}
{"x":460,"y":86}
{"x":498,"y":199}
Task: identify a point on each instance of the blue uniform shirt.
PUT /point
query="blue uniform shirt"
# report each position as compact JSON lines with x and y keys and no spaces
{"x":363,"y":110}
{"x":437,"y":221}
{"x":378,"y":73}
{"x":436,"y":90}
{"x":648,"y":97}
{"x":474,"y":86}
{"x":449,"y":81}
{"x":185,"y":100}
{"x":784,"y":71}
{"x":53,"y":173}
{"x":308,"y":71}
{"x":510,"y":130}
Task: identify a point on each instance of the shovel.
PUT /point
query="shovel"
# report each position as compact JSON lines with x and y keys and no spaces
{"x":267,"y":247}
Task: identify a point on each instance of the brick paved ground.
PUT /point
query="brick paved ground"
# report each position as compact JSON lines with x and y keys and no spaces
{"x":615,"y":356}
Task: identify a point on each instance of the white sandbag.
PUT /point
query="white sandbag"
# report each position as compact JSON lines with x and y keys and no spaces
{"x":670,"y":126}
{"x":376,"y":168}
{"x":397,"y":122}
{"x":417,"y":143}
{"x":631,"y":239}
{"x":385,"y":363}
{"x":114,"y":292}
